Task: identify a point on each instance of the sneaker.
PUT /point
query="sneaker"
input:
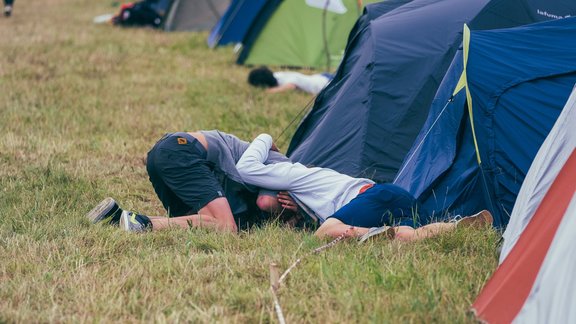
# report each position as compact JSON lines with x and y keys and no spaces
{"x":106,"y":210}
{"x":7,"y":10}
{"x":389,"y":231}
{"x":479,"y":220}
{"x":132,"y":222}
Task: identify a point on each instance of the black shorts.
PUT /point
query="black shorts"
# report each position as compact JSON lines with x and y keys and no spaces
{"x":180,"y":174}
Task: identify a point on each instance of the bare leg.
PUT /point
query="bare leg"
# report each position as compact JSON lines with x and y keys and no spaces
{"x":216,"y":215}
{"x":407,"y":233}
{"x":160,"y":223}
{"x":333,"y":227}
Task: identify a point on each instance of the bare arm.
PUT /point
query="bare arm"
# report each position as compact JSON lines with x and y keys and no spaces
{"x":276,"y":176}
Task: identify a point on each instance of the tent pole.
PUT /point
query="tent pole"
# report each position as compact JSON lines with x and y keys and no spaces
{"x":213,"y":9}
{"x":324,"y":36}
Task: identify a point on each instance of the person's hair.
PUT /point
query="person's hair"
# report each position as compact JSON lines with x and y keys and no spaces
{"x":262,"y":77}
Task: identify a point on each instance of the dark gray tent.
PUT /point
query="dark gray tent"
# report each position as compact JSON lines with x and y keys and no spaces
{"x":194,"y":15}
{"x":365,"y":121}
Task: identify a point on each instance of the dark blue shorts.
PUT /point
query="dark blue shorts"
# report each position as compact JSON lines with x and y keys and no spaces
{"x":180,"y":174}
{"x":383,"y":204}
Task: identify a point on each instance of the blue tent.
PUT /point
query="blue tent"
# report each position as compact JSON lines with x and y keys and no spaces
{"x":236,"y":21}
{"x":358,"y":36}
{"x":517,"y":81}
{"x":365,"y":121}
{"x":522,"y":12}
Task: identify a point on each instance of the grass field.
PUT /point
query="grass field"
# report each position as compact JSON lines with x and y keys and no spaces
{"x":80,"y":106}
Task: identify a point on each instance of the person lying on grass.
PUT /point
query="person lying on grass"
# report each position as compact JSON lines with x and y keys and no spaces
{"x":345,"y":205}
{"x":195,"y":177}
{"x":282,"y":81}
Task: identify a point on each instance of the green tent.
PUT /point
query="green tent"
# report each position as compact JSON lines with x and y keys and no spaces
{"x":304,"y":33}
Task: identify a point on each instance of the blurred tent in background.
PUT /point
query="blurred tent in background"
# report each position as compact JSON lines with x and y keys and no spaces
{"x":365,"y":121}
{"x":478,"y":142}
{"x":171,"y":15}
{"x":194,"y":15}
{"x":535,"y":281}
{"x":236,"y":21}
{"x":160,"y":6}
{"x":303,"y":33}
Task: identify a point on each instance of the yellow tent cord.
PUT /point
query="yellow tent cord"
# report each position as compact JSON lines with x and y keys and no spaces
{"x":463,"y":83}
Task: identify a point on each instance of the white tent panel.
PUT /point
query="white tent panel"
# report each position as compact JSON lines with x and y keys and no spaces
{"x":553,"y":295}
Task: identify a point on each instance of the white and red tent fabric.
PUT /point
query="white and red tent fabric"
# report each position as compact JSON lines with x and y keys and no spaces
{"x":536,"y":281}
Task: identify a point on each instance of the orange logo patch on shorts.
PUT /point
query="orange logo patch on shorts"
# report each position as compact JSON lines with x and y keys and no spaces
{"x":365,"y":187}
{"x":182,"y":140}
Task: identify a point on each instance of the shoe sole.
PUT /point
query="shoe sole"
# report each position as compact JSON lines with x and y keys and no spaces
{"x":479,"y":220}
{"x":389,"y":232}
{"x":98,"y":213}
{"x":124,"y":221}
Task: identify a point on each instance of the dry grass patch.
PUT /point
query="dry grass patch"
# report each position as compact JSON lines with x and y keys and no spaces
{"x":81,"y":104}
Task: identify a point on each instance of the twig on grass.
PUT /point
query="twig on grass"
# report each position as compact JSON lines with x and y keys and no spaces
{"x":274,"y":285}
{"x":275,"y":281}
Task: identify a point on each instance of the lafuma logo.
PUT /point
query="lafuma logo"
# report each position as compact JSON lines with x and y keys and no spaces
{"x":551,"y":15}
